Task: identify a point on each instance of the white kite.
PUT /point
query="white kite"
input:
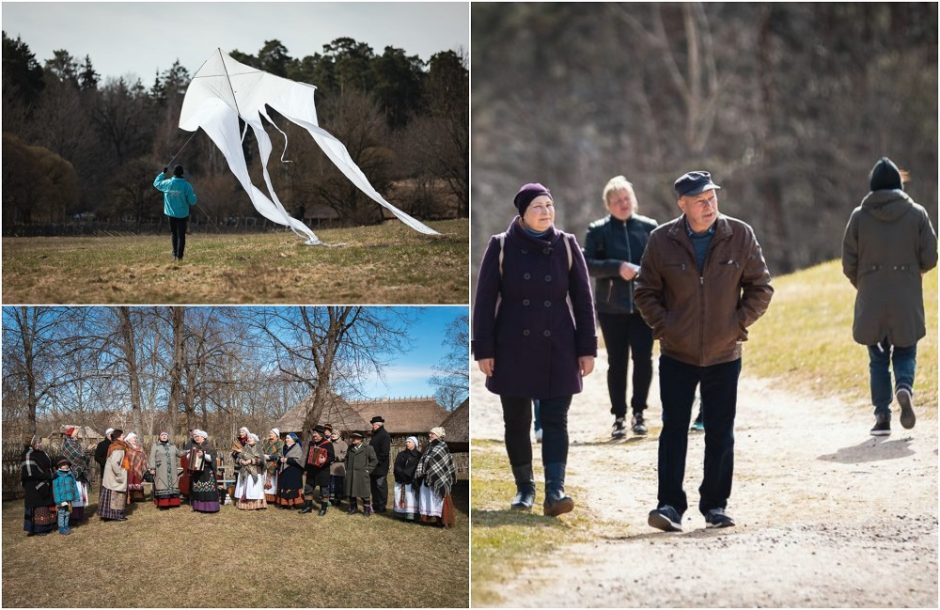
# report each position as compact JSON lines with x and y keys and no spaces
{"x":224,"y":90}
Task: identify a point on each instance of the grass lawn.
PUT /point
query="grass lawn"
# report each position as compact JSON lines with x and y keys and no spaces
{"x":503,"y":539}
{"x":387,"y":264}
{"x":805,"y":339}
{"x":270,"y":558}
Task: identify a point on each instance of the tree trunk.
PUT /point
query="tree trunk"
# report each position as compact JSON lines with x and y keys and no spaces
{"x":176,"y":372}
{"x":128,"y":346}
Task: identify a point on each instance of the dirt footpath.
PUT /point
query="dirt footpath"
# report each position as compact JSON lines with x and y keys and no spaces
{"x":826,"y":514}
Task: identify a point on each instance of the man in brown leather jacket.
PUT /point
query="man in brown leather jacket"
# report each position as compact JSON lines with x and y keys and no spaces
{"x":703,"y":281}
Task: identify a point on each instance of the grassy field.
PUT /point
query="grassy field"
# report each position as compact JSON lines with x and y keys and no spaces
{"x":271,"y":558}
{"x":388,"y":264}
{"x":805,"y":339}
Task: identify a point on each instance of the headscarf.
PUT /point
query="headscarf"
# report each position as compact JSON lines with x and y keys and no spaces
{"x":276,"y":432}
{"x":107,"y":433}
{"x":201,"y":433}
{"x":131,"y":439}
{"x":414,"y":440}
{"x":294,"y":436}
{"x":439,"y":431}
{"x":254,"y":437}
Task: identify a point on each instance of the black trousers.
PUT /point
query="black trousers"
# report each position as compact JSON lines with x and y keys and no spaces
{"x":627,"y":335}
{"x":379,"y":493}
{"x":178,"y":229}
{"x":719,"y":389}
{"x":517,"y":417}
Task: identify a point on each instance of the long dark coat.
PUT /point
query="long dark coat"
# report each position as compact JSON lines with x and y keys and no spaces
{"x":888,"y":243}
{"x":290,"y":477}
{"x":381,"y":442}
{"x":36,"y":475}
{"x":534,"y":336}
{"x":405,"y":464}
{"x":360,"y":462}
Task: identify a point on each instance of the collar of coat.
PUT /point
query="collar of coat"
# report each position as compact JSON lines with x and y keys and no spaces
{"x":517,"y":231}
{"x":678,"y":232}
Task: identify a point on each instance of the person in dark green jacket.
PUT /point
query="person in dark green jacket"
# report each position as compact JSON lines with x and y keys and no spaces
{"x":888,"y":245}
{"x":613,"y":248}
{"x":178,"y":198}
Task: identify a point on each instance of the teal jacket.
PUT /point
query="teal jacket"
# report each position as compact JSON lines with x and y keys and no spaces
{"x":178,"y":195}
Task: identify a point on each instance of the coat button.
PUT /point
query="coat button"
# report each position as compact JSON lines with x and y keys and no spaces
{"x":525,"y":302}
{"x":525,"y":332}
{"x":524,"y":251}
{"x":548,"y":303}
{"x":547,"y":333}
{"x":546,"y":250}
{"x":548,"y":278}
{"x":527,"y":276}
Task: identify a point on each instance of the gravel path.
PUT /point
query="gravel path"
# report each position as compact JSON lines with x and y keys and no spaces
{"x":826,"y":514}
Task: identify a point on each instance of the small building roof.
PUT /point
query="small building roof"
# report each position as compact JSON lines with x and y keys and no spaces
{"x":84,"y":432}
{"x":457,"y":425}
{"x":403,"y":415}
{"x":337,"y":412}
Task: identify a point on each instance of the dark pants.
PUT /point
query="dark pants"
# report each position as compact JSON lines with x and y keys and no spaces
{"x":880,"y":359}
{"x":627,"y":335}
{"x":336,"y":486}
{"x":178,"y":229}
{"x":719,"y":389}
{"x":379,"y":493}
{"x":517,"y":417}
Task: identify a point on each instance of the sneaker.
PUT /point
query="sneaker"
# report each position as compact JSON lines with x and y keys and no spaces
{"x":666,"y":518}
{"x":698,"y":425}
{"x":882,"y":426}
{"x":538,"y":435}
{"x":716,"y":518}
{"x":618,"y":430}
{"x":639,"y":424}
{"x":906,"y":400}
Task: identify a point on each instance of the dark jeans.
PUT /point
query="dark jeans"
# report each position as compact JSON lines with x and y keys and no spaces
{"x":627,"y":335}
{"x":538,"y":415}
{"x":719,"y":389}
{"x":178,"y":229}
{"x":336,"y":486}
{"x":880,"y":358}
{"x":517,"y":417}
{"x":379,"y":493}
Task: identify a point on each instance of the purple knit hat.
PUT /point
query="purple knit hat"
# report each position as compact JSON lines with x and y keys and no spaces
{"x":527,"y":193}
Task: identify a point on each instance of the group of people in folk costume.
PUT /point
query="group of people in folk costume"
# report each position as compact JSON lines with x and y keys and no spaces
{"x":276,"y":471}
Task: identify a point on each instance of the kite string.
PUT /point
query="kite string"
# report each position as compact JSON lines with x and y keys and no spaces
{"x":170,"y":162}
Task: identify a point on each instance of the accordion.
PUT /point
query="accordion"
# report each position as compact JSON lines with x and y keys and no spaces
{"x":317,"y":457}
{"x":196,"y":459}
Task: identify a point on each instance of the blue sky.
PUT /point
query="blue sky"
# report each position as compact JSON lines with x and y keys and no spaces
{"x":141,"y":38}
{"x":408,"y":374}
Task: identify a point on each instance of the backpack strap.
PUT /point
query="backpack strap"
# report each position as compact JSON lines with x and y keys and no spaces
{"x":568,"y":250}
{"x":502,"y":240}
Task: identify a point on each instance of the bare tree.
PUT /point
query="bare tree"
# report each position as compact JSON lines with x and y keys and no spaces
{"x":453,"y":375}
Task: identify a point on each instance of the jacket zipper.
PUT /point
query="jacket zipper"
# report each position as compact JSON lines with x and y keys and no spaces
{"x":626,"y":234}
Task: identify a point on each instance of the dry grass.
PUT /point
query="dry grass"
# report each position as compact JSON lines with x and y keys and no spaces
{"x":805,"y":339}
{"x":270,"y":558}
{"x":380,"y":264}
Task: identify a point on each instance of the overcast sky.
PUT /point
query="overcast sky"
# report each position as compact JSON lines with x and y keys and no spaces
{"x":141,"y":38}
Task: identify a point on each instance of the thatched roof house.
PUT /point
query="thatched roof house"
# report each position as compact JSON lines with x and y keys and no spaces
{"x":403,"y":416}
{"x":457,"y":428}
{"x":337,"y":412}
{"x":84,"y":432}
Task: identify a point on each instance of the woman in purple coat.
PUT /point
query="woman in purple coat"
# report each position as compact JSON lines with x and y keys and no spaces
{"x":534,"y":338}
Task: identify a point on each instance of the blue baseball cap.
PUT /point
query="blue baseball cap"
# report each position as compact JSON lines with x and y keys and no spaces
{"x":693,"y":183}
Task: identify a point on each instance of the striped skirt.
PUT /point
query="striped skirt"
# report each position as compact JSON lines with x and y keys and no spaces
{"x":111,"y":504}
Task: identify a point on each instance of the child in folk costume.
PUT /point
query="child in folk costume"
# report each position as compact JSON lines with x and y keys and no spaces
{"x":65,"y":493}
{"x":290,"y":475}
{"x":317,"y":465}
{"x":437,"y":474}
{"x":272,"y":449}
{"x":360,"y":462}
{"x":73,"y":452}
{"x":204,"y":491}
{"x":405,"y":497}
{"x":113,"y":499}
{"x":138,"y":464}
{"x":163,"y":460}
{"x":249,"y":491}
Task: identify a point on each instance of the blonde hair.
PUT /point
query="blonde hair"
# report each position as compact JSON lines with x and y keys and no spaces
{"x":618,"y":183}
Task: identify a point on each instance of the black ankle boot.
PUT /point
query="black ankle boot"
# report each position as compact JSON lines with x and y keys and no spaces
{"x":308,"y":507}
{"x":525,"y":487}
{"x":323,"y":508}
{"x":556,"y":502}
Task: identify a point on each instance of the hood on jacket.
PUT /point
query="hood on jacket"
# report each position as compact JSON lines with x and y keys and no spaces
{"x":887,"y":205}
